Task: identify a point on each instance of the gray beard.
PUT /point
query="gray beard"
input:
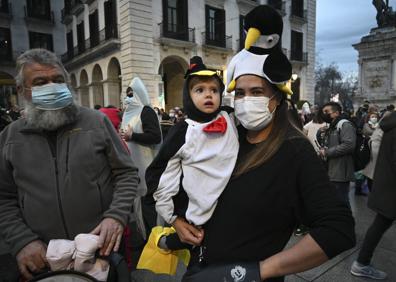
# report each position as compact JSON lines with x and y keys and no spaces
{"x":50,"y":119}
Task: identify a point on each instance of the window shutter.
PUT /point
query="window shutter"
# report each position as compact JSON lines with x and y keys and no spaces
{"x":220,"y":27}
{"x":207,"y":8}
{"x":241,"y":32}
{"x":165,"y":16}
{"x":182,"y":19}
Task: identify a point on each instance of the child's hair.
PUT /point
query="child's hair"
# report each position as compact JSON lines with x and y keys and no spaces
{"x":195,"y":79}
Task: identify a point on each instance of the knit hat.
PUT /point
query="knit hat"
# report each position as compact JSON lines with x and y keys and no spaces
{"x":265,"y":60}
{"x":197,"y":68}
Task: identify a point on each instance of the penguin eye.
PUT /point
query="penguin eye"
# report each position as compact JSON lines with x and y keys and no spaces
{"x":270,"y":39}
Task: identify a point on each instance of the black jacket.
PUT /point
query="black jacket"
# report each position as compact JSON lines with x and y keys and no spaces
{"x":383,"y":197}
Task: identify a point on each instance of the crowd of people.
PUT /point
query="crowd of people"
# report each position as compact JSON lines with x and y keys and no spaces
{"x":222,"y":189}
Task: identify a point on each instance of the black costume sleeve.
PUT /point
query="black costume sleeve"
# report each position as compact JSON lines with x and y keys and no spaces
{"x":151,"y":129}
{"x":330,"y":220}
{"x":174,"y":141}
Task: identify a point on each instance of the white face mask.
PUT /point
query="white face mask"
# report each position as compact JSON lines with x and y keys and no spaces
{"x":373,"y":120}
{"x":253,"y":112}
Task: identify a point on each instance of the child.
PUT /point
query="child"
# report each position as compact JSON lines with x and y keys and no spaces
{"x":198,"y":156}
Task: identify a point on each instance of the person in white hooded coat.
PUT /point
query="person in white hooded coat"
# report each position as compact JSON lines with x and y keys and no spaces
{"x":141,"y":130}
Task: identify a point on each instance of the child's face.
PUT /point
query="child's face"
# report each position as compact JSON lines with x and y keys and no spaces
{"x":206,"y":96}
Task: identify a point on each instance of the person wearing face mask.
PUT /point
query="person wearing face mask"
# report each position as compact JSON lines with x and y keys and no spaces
{"x":172,"y":115}
{"x":278,"y":182}
{"x":371,"y":124}
{"x":64,"y":169}
{"x":339,"y":145}
{"x":197,"y":158}
{"x":141,"y":131}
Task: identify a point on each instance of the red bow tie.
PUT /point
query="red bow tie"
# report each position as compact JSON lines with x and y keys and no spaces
{"x":217,"y":126}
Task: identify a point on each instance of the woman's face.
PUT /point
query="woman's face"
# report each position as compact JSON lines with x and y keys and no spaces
{"x":254,"y":86}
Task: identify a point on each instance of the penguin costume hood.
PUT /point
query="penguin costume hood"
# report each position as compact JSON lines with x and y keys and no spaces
{"x":263,"y":54}
{"x":197,"y":68}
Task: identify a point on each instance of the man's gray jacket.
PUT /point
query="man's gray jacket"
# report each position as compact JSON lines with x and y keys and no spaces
{"x":341,"y":139}
{"x":56,"y":188}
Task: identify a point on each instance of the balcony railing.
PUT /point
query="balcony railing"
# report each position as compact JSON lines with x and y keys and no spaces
{"x":105,"y":34}
{"x":30,"y":14}
{"x":299,"y":56}
{"x":216,"y":40}
{"x":181,"y":33}
{"x":300,"y":15}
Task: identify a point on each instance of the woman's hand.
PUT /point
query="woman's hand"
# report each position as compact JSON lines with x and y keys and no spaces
{"x":126,"y":134}
{"x":188,"y":233}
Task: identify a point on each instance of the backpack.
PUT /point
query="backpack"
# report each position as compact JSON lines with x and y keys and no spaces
{"x":362,"y":152}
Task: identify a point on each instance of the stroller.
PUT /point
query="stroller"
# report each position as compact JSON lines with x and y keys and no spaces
{"x":118,"y":272}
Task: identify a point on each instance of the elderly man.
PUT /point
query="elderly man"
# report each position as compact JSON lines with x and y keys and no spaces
{"x":64,"y":169}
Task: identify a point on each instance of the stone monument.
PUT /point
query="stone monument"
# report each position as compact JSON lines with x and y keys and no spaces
{"x":377,"y":59}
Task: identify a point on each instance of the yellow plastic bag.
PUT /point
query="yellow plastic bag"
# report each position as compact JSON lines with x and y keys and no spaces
{"x":158,"y":260}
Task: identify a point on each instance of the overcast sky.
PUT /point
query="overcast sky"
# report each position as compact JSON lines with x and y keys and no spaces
{"x":339,"y":24}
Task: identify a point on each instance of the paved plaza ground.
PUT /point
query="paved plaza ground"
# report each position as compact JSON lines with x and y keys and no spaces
{"x":333,"y":271}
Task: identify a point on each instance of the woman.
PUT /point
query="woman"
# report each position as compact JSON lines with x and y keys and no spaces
{"x":140,"y":129}
{"x":278,"y":182}
{"x":312,"y":127}
{"x":381,"y":200}
{"x":370,"y":125}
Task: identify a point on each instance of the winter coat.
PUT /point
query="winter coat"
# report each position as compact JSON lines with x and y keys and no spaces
{"x":374,"y":143}
{"x":340,"y":147}
{"x":383,"y":196}
{"x":55,"y":186}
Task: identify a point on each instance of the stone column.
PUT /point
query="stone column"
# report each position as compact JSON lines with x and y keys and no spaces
{"x":136,"y":31}
{"x":112,"y":91}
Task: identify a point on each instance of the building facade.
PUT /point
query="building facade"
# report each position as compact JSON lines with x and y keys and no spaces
{"x":111,"y":41}
{"x":26,"y":24}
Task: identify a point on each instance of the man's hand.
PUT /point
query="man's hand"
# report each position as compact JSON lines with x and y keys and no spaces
{"x":110,"y":233}
{"x":31,"y":258}
{"x":188,"y":233}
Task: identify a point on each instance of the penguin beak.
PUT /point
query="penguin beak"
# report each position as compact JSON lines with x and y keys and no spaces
{"x":284,"y":88}
{"x":231,"y":86}
{"x":252,"y":36}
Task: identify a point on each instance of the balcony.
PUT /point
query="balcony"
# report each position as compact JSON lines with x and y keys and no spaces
{"x":106,"y":41}
{"x":298,"y":16}
{"x":299,"y":57}
{"x":6,"y":11}
{"x":32,"y":16}
{"x":183,"y":37}
{"x":214,"y":40}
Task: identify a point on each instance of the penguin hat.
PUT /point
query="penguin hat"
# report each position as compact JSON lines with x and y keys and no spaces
{"x":263,"y":54}
{"x":197,"y":71}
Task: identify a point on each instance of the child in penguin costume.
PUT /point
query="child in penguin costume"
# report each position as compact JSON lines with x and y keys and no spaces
{"x":192,"y":167}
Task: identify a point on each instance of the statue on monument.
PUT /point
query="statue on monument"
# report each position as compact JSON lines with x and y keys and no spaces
{"x":385,"y":16}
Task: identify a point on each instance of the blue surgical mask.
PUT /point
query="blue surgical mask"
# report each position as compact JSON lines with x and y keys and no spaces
{"x":51,"y":96}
